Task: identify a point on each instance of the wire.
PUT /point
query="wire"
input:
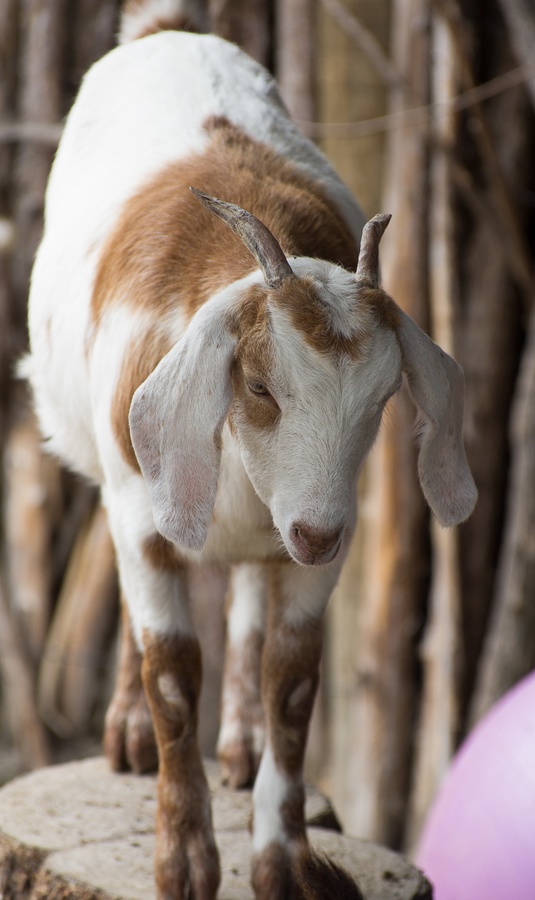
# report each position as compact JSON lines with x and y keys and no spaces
{"x":419,"y":115}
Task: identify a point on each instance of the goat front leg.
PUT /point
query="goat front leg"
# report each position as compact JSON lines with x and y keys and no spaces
{"x":283,"y":864}
{"x":155,"y":585}
{"x":187,"y":863}
{"x":129,"y":741}
{"x":241,"y":737}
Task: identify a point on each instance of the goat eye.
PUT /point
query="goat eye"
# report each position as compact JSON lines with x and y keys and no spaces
{"x":256,"y":387}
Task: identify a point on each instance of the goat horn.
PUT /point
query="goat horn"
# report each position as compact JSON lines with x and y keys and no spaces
{"x":257,"y":238}
{"x":367,"y":272}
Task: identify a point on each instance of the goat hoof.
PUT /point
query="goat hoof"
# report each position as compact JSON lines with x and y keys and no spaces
{"x":297,"y":873}
{"x":271,"y":874}
{"x":129,"y":741}
{"x":239,"y":763}
{"x":191,"y":875}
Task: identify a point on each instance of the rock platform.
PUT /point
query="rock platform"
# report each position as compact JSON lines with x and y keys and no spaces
{"x":78,"y":831}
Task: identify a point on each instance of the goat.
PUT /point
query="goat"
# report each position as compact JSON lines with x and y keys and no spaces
{"x":223,"y":387}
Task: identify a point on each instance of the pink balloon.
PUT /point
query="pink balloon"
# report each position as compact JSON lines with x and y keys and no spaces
{"x":479,"y":839}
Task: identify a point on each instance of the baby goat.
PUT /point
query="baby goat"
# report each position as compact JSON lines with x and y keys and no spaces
{"x":223,"y":386}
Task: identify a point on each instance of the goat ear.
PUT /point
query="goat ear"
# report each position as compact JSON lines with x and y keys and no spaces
{"x":176,"y":419}
{"x":436,"y":383}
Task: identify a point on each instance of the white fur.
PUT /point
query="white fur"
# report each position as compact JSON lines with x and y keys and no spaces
{"x":270,"y":791}
{"x":247,"y":611}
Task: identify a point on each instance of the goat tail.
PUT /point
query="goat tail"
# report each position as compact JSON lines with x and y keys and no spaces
{"x":140,"y":18}
{"x":318,"y":878}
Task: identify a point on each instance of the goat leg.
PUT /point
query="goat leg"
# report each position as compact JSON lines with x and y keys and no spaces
{"x":187,"y":862}
{"x":242,"y":733}
{"x":283,"y":864}
{"x":128,"y":733}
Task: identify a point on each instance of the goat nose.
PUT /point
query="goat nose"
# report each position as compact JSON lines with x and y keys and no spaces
{"x":314,"y":546}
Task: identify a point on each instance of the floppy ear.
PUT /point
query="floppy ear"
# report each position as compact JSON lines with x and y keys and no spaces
{"x":176,"y":418}
{"x":436,"y":383}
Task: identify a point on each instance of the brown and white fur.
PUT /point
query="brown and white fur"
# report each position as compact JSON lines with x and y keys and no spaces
{"x":223,"y":386}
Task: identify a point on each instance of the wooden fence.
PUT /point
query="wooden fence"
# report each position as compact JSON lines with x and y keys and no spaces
{"x":426,"y":108}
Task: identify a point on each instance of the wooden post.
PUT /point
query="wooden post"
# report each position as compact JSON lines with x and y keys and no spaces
{"x":18,"y":693}
{"x":520,"y":19}
{"x":395,"y":554}
{"x":294,"y":63}
{"x":349,"y":89}
{"x":72,"y":670}
{"x":40,"y":101}
{"x":31,"y":482}
{"x":442,"y":643}
{"x":8,"y":59}
{"x":509,"y":651}
{"x":246,"y":22}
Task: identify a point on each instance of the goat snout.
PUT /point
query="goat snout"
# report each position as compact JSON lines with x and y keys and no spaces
{"x":312,"y":546}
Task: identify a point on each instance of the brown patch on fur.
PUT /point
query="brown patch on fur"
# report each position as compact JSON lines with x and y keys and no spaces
{"x":384,"y":309}
{"x":271,"y":874}
{"x":241,"y":707}
{"x":167,"y":250}
{"x":129,"y":736}
{"x":310,"y":316}
{"x":181,"y":657}
{"x":139,"y":361}
{"x":185,"y":846}
{"x":253,"y":361}
{"x":161,"y":554}
{"x":313,"y":320}
{"x":259,"y":411}
{"x":177,"y":22}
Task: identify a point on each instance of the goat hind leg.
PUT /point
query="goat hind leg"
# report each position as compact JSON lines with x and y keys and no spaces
{"x":129,"y":741}
{"x":241,"y":737}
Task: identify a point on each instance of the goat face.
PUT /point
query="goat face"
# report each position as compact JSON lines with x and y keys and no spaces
{"x":303,"y":365}
{"x":312,"y":371}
